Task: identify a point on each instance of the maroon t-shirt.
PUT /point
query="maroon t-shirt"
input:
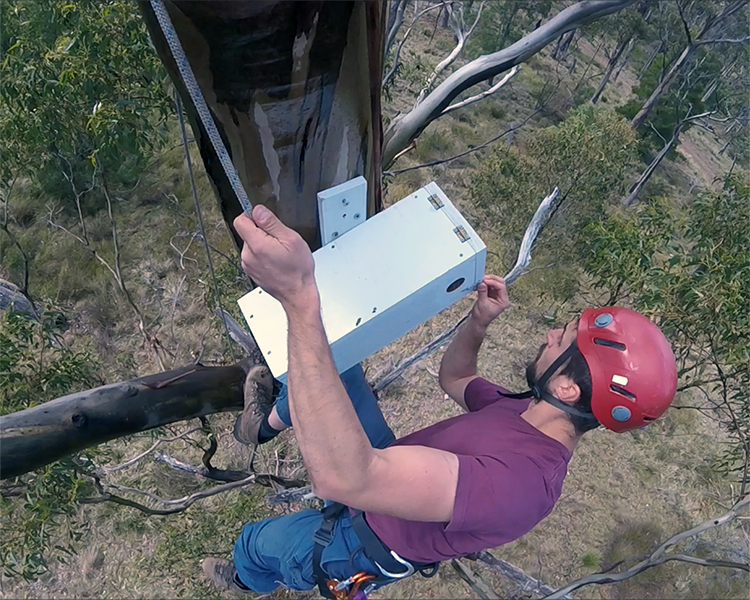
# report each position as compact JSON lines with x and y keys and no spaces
{"x":510,"y":475}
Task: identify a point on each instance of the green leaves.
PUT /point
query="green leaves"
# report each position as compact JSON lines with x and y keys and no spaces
{"x":587,"y":156}
{"x":61,"y":60}
{"x":36,"y":367}
{"x":688,"y":268}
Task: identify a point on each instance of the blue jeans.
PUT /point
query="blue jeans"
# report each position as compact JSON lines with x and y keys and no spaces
{"x":278,"y":551}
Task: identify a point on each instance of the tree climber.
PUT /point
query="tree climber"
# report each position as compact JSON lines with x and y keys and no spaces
{"x":472,"y":482}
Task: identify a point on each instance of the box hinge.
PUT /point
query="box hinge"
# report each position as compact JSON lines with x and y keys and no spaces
{"x":461,"y":234}
{"x":435,"y":201}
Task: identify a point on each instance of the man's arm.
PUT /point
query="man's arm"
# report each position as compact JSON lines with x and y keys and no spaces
{"x":458,"y":367}
{"x":415,"y":483}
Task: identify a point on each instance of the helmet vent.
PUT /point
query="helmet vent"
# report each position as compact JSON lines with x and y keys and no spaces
{"x":622,"y":391}
{"x":610,"y":344}
{"x":648,"y":419}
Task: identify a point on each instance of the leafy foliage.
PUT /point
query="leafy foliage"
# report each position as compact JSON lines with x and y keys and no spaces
{"x":587,"y":156}
{"x":689,"y":269}
{"x":38,"y":510}
{"x":78,"y":80}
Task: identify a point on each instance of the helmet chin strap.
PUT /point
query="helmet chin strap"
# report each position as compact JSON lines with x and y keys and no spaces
{"x":538,"y":390}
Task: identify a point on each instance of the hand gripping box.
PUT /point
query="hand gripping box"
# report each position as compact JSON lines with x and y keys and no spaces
{"x":380,"y":280}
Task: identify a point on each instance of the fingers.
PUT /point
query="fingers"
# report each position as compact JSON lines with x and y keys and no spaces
{"x":268,"y":222}
{"x":245,"y":227}
{"x":482,"y":290}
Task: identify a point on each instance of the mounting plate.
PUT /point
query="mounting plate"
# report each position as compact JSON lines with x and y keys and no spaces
{"x":342,"y":208}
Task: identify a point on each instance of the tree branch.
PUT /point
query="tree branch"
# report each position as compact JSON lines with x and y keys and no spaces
{"x":479,"y":585}
{"x":483,"y":95}
{"x":404,"y":128}
{"x":394,"y":66}
{"x":525,"y":583}
{"x":659,"y":556}
{"x":461,"y":38}
{"x":470,"y":150}
{"x":723,"y":41}
{"x":184,"y":503}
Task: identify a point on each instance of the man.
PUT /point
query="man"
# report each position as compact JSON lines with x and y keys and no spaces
{"x":472,"y":482}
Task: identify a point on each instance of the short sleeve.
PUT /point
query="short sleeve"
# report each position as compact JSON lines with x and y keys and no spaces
{"x":507,"y":497}
{"x":480,"y":393}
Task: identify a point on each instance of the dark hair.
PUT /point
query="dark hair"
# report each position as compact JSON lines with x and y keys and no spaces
{"x":578,"y":370}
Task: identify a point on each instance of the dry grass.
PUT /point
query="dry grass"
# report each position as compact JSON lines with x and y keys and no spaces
{"x":623,"y":494}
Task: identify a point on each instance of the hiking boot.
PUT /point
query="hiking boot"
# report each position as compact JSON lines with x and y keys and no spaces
{"x":258,"y":404}
{"x":222,"y":574}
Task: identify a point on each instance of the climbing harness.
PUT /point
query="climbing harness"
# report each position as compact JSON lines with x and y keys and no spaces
{"x":188,"y":78}
{"x":391,"y":566}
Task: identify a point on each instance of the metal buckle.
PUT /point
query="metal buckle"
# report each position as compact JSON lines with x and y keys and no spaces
{"x":322,"y":537}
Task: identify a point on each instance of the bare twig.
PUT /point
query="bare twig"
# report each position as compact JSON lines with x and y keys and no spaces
{"x":183,"y":503}
{"x":526,"y":583}
{"x":292,"y":495}
{"x":154,"y":446}
{"x":479,"y":585}
{"x":395,"y":65}
{"x":462,"y":34}
{"x":523,"y":261}
{"x":481,"y":96}
{"x":659,"y":555}
{"x":266,"y":479}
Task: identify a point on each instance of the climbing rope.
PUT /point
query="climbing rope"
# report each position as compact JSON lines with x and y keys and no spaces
{"x":199,"y":215}
{"x":199,"y":102}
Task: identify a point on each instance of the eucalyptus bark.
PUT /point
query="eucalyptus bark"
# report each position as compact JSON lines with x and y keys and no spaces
{"x":39,"y":435}
{"x":294,"y":88}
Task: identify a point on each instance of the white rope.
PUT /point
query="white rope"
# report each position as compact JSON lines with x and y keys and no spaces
{"x":199,"y":102}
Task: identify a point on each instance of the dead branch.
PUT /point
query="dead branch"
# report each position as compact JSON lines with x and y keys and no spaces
{"x":154,"y":446}
{"x":183,"y":503}
{"x":659,"y":556}
{"x":479,"y":585}
{"x":483,"y":95}
{"x":462,"y":34}
{"x":398,"y":19}
{"x":151,"y":341}
{"x":526,"y":583}
{"x":397,"y":53}
{"x":266,"y":479}
{"x":292,"y":495}
{"x":522,"y":262}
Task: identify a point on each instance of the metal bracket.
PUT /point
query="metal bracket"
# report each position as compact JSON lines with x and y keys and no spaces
{"x":342,"y":208}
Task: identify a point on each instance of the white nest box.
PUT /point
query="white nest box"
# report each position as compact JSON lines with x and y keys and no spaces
{"x":380,"y":278}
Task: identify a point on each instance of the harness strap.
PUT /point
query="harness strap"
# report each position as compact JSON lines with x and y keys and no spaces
{"x":378,"y":552}
{"x":322,"y":538}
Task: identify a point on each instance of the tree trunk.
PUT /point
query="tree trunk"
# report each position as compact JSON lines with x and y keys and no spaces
{"x":650,"y":60}
{"x":646,"y":175}
{"x":613,"y":60}
{"x":624,"y":59}
{"x":294,"y":88}
{"x":563,"y":44}
{"x":663,"y":87}
{"x":37,"y":436}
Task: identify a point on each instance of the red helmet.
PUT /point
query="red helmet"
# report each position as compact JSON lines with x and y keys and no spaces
{"x":633,"y":371}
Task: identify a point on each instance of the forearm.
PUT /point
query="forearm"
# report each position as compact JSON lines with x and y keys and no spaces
{"x":460,"y":358}
{"x":334,"y":446}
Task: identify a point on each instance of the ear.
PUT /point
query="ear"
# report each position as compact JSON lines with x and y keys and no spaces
{"x":564,"y":388}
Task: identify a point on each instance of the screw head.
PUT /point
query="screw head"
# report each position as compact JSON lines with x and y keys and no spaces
{"x":356,"y":216}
